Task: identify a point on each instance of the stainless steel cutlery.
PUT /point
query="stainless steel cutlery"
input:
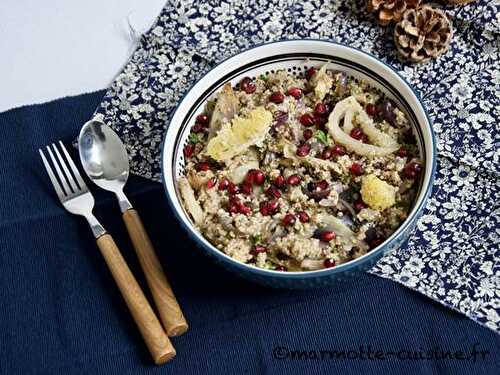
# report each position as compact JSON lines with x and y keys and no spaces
{"x":77,"y":199}
{"x":105,"y":160}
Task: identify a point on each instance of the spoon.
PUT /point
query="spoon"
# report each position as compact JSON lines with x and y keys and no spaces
{"x":105,"y":161}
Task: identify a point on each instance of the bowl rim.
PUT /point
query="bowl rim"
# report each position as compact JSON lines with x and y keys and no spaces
{"x":352,"y":264}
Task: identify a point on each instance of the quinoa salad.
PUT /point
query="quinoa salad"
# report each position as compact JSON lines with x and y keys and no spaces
{"x":299,"y":173}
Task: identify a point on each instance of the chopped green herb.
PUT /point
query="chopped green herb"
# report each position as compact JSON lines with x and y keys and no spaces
{"x":263,"y":77}
{"x":257,"y":238}
{"x":412,"y":149}
{"x":356,"y":187}
{"x":193,"y":138}
{"x":321,"y":136}
{"x":403,"y":204}
{"x":268,"y":265}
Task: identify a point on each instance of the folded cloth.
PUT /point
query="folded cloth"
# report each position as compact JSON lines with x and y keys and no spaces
{"x":453,"y":255}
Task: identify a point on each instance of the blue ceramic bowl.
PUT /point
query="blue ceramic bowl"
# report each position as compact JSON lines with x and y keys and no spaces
{"x":296,"y":56}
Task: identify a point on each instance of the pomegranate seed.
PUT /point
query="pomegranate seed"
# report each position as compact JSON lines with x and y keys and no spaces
{"x":326,"y":154}
{"x":359,"y":205}
{"x":235,"y":200}
{"x":249,"y":177}
{"x":338,"y":150}
{"x":245,"y":210}
{"x":320,"y":109}
{"x":308,"y":133}
{"x":198,"y":128}
{"x":279,"y":181}
{"x":233,"y":208}
{"x":323,"y":184}
{"x":273,"y":205}
{"x":258,"y":250}
{"x":303,"y":150}
{"x":246,"y":188}
{"x":202,"y":119}
{"x":412,"y":170}
{"x":211,"y":183}
{"x":258,"y":177}
{"x":264,"y":209}
{"x":203,"y":166}
{"x":356,"y":169}
{"x":357,"y":133}
{"x":371,"y":109}
{"x":223,"y":184}
{"x":310,"y":72}
{"x":295,"y":92}
{"x":306,"y":119}
{"x":232,"y":188}
{"x":255,"y":176}
{"x":269,"y":208}
{"x":294,"y":180}
{"x":247,"y":85}
{"x":328,"y":263}
{"x":188,"y":150}
{"x":288,"y":220}
{"x":319,"y":120}
{"x":403,"y":152}
{"x":277,"y":97}
{"x":281,"y":268}
{"x":303,"y":216}
{"x":327,"y":236}
{"x":273,"y":192}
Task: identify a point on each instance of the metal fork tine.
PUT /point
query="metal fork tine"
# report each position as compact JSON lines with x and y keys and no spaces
{"x":57,"y":187}
{"x":69,"y":177}
{"x":76,"y":173}
{"x":60,"y":174}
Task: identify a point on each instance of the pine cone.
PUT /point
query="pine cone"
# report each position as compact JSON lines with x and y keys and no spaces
{"x":423,"y":33}
{"x":390,"y":10}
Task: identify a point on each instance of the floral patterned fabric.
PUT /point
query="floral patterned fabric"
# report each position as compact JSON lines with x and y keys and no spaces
{"x":453,"y":256}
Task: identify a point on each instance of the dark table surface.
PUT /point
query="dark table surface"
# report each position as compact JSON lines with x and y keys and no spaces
{"x":60,"y":312}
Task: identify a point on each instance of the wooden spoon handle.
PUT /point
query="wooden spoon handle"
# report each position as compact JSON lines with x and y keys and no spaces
{"x":170,"y":313}
{"x":156,"y":340}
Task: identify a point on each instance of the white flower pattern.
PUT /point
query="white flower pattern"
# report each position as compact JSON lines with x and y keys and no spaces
{"x":453,"y":255}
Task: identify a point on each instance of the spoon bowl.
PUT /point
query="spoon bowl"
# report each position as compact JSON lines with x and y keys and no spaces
{"x":104,"y":159}
{"x":103,"y":156}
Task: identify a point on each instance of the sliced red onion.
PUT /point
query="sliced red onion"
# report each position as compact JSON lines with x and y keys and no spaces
{"x":280,"y":117}
{"x":341,"y":85}
{"x":388,"y":112}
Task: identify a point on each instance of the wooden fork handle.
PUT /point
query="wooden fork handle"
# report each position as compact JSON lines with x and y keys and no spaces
{"x":168,"y":308}
{"x":156,"y":340}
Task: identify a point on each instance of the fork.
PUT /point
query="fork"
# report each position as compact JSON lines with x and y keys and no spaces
{"x":77,"y":199}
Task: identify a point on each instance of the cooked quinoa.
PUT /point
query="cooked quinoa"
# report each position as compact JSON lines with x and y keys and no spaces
{"x":300,"y":173}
